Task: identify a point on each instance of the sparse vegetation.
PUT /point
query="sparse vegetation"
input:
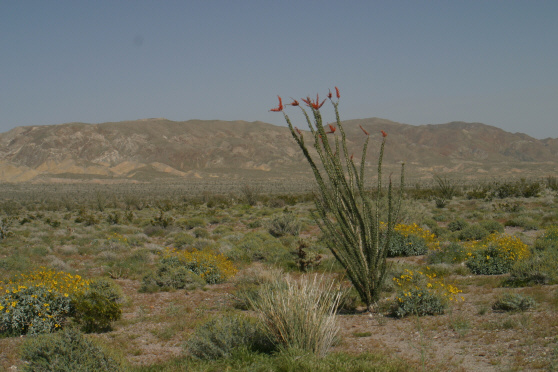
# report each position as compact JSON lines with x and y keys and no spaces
{"x":144,"y":296}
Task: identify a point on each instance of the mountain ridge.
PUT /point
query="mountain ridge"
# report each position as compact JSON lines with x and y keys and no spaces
{"x":150,"y":149}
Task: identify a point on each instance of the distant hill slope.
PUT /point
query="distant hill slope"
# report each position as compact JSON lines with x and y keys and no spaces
{"x":152,"y":149}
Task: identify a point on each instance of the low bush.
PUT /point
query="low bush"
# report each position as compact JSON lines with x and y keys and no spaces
{"x":213,"y":268}
{"x":411,"y":240}
{"x":410,"y":245}
{"x":523,"y":221}
{"x":473,"y":232}
{"x":514,"y":302}
{"x":43,"y":301}
{"x":452,"y":253}
{"x":548,"y":241}
{"x":200,"y":232}
{"x":66,"y":351}
{"x":247,"y":285}
{"x":492,"y":226}
{"x":539,"y":269}
{"x":220,"y":336}
{"x":418,"y":302}
{"x":259,"y":246}
{"x":98,"y":306}
{"x":497,"y":254}
{"x":284,"y":224}
{"x":182,"y":240}
{"x":194,"y":222}
{"x":457,"y":225}
{"x":171,"y":274}
{"x":422,"y":293}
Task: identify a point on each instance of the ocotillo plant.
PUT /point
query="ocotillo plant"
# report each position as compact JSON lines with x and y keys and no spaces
{"x":346,"y":213}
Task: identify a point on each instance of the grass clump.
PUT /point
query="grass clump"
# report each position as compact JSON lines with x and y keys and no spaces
{"x":66,"y":351}
{"x":220,"y":336}
{"x":184,"y":269}
{"x":452,"y":253}
{"x":541,"y":267}
{"x":457,"y":225}
{"x":98,"y":306}
{"x":284,"y":224}
{"x":299,"y":313}
{"x":513,"y":302}
{"x":171,"y":274}
{"x":259,"y":246}
{"x":473,"y":232}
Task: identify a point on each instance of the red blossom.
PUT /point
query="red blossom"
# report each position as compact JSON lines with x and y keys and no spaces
{"x":365,"y":132}
{"x":331,"y":129}
{"x":298,"y":131}
{"x":294,"y":102}
{"x":329,"y":94}
{"x":315,"y":105}
{"x":280,"y":107}
{"x":384,"y":134}
{"x":337,"y":93}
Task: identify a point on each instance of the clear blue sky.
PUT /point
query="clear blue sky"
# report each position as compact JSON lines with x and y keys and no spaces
{"x":415,"y":62}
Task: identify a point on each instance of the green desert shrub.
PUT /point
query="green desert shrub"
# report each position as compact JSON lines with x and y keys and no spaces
{"x":518,"y":189}
{"x":492,"y":226}
{"x":66,"y":351}
{"x":523,"y":221}
{"x":299,"y":313}
{"x":171,"y":274}
{"x":194,"y":222}
{"x":513,"y":302}
{"x":410,"y":245}
{"x":418,"y":302}
{"x":497,"y":254}
{"x":539,"y":269}
{"x":44,"y":300}
{"x":221,"y":230}
{"x":284,"y":224}
{"x":489,"y":261}
{"x":247,"y":284}
{"x":548,"y":241}
{"x":182,"y":240}
{"x":473,"y":232}
{"x":200,"y":232}
{"x":212,"y":268}
{"x":422,"y":292}
{"x":457,"y":225}
{"x":259,"y":246}
{"x":220,"y":336}
{"x":98,"y":306}
{"x":453,"y":253}
{"x":542,"y":266}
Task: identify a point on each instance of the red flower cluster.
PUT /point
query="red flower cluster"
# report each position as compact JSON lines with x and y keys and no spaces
{"x":280,"y":107}
{"x":315,"y":105}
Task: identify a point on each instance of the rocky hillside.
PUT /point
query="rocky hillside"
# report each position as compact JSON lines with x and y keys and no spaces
{"x":153,"y":149}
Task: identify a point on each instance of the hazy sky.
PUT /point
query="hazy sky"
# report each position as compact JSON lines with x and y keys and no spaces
{"x":415,"y":62}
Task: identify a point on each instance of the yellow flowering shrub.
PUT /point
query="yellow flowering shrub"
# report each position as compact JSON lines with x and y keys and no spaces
{"x":413,"y":229}
{"x":410,"y":240}
{"x":38,"y":302}
{"x":41,"y":301}
{"x":211,"y":267}
{"x":496,"y":254}
{"x":423,"y":293}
